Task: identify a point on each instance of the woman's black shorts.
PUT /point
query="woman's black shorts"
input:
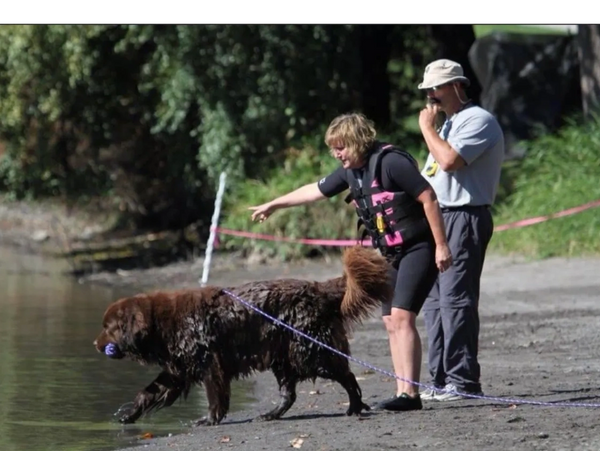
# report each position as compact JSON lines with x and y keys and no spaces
{"x":412,"y":273}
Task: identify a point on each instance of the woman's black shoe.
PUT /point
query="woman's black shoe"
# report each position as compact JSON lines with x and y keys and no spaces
{"x":402,"y":403}
{"x":381,"y":404}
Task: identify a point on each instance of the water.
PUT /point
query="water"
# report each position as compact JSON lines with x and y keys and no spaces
{"x":56,"y":391}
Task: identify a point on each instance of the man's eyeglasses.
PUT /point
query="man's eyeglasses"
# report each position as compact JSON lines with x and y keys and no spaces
{"x":435,"y":88}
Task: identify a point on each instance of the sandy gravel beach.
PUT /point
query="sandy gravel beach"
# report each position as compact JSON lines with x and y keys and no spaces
{"x":540,"y":342}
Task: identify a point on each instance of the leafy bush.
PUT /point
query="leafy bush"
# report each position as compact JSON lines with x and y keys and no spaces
{"x":559,"y":172}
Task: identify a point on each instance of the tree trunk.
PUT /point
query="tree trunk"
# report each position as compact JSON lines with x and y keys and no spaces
{"x":375,"y":51}
{"x":453,"y":43}
{"x":588,"y":38}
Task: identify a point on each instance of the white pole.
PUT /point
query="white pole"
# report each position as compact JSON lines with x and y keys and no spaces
{"x":213,"y":229}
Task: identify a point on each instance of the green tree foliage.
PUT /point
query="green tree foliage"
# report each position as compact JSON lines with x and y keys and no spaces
{"x":151,"y":114}
{"x":253,"y":88}
{"x":40,"y":73}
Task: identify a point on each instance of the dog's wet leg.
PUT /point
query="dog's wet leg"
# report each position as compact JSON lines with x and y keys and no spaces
{"x":162,"y":392}
{"x":218,"y":394}
{"x":339,"y":371}
{"x":287,"y":380}
{"x":349,"y":382}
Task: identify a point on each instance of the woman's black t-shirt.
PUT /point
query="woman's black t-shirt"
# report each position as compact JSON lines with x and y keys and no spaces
{"x":398,"y":173}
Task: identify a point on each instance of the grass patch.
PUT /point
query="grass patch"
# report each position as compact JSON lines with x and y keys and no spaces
{"x":559,"y":172}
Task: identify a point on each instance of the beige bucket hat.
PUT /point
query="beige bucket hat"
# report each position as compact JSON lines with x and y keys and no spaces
{"x":441,"y":72}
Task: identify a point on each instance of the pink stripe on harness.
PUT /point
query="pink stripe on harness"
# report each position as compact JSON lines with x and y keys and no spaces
{"x":385,"y":196}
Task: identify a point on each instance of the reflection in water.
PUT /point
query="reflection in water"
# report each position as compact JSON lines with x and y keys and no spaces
{"x":56,"y":391}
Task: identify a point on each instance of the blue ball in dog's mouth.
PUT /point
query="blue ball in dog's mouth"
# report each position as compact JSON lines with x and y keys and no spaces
{"x":112,"y":350}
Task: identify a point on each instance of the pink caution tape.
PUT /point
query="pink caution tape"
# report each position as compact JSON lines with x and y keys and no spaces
{"x":341,"y":243}
{"x":538,"y":219}
{"x":314,"y":242}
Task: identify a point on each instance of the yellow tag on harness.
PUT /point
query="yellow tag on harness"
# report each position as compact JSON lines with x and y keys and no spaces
{"x":380,"y":224}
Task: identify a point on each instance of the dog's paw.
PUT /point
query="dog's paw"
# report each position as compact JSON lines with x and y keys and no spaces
{"x":127,"y":419}
{"x":357,"y":410}
{"x":128,"y":416}
{"x":127,"y":413}
{"x":266,"y":417}
{"x":206,"y":420}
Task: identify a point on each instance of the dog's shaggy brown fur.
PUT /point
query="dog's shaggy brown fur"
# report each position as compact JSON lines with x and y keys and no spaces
{"x":205,"y":336}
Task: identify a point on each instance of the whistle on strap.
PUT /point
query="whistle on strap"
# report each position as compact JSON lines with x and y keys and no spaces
{"x":432,"y":169}
{"x":380,"y":224}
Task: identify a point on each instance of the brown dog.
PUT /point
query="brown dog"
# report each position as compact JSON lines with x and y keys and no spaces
{"x":206,"y":336}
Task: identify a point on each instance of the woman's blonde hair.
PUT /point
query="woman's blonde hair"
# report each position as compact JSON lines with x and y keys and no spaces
{"x":353,"y":131}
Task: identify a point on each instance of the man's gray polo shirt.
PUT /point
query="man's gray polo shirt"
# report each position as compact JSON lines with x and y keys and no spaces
{"x":476,"y":135}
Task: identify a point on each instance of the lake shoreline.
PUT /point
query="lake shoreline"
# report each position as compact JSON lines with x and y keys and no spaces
{"x":539,"y":342}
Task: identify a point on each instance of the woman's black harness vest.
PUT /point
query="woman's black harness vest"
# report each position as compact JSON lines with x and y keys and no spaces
{"x":406,"y":217}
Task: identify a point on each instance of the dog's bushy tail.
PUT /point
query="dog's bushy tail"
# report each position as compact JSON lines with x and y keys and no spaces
{"x":367,"y":286}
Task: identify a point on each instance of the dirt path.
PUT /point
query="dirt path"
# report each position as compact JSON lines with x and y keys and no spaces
{"x":540,"y":341}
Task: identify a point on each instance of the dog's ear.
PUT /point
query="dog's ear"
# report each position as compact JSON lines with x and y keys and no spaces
{"x":140,"y":318}
{"x":136,"y":318}
{"x":139,"y":324}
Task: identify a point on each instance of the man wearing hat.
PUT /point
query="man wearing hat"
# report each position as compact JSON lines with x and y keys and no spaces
{"x":463,"y":167}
